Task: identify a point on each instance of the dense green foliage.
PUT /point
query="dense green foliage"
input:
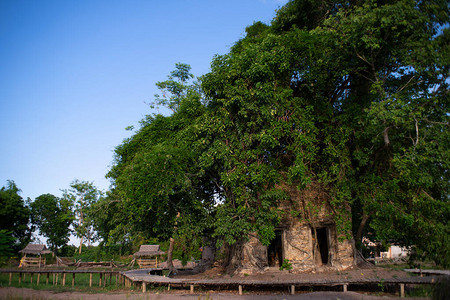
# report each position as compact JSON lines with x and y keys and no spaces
{"x":82,"y":195}
{"x":53,"y":217}
{"x":347,"y":97}
{"x":14,"y":216}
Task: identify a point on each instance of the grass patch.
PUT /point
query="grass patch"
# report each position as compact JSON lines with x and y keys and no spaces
{"x":81,"y":283}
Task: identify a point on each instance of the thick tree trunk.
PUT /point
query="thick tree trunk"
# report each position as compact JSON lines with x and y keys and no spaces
{"x":358,"y":237}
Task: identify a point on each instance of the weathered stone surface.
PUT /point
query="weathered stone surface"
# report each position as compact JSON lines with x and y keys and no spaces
{"x":308,"y":213}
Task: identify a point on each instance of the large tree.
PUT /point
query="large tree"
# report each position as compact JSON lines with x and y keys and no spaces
{"x":53,"y":217}
{"x":347,"y":97}
{"x":352,"y":99}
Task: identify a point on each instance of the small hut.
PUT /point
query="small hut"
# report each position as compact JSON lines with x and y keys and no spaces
{"x":36,"y":250}
{"x":147,"y":256}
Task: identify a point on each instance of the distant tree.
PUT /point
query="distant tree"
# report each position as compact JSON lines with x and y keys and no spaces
{"x":53,"y":217}
{"x":83,"y":195}
{"x":14,"y":215}
{"x":6,"y":244}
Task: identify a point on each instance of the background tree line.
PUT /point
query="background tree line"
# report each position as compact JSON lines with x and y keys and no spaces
{"x":349,"y":97}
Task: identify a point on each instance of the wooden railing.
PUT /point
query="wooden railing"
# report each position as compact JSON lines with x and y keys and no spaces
{"x":32,"y":261}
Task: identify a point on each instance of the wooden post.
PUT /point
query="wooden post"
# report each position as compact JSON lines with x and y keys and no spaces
{"x":90,"y":279}
{"x":10,"y":278}
{"x":345,"y":287}
{"x":31,"y":278}
{"x":46,"y":280}
{"x":240,"y":289}
{"x":38,"y":277}
{"x":402,"y":290}
{"x":64,"y":279}
{"x":116,"y":278}
{"x":144,"y":287}
{"x":100,"y":280}
{"x":168,"y":287}
{"x":192,"y":288}
{"x":56,"y":282}
{"x":20,"y":278}
{"x":292,"y":289}
{"x":73,"y":279}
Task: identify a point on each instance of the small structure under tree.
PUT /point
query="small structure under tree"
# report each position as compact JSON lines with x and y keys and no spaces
{"x":36,"y":250}
{"x":147,"y":256}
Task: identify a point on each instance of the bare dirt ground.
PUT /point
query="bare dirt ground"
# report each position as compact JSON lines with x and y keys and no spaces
{"x":25,"y":293}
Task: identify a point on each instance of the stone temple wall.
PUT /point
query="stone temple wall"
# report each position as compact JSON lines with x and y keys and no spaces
{"x":304,"y":211}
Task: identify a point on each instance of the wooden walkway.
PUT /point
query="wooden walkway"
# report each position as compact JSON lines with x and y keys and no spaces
{"x":143,"y":278}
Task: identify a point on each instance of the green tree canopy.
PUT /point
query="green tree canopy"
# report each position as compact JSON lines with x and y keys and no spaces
{"x":83,"y":195}
{"x":14,"y":215}
{"x":349,"y":98}
{"x":53,"y":217}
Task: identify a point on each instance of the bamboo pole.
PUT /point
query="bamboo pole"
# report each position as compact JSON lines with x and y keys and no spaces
{"x":10,"y":278}
{"x":64,"y":279}
{"x":144,"y":287}
{"x":240,"y":289}
{"x":38,"y":278}
{"x":46,"y":280}
{"x":73,"y":279}
{"x":90,"y":279}
{"x":345,"y":286}
{"x":402,"y":290}
{"x":20,"y":277}
{"x":192,"y":288}
{"x":100,"y":280}
{"x":292,"y":289}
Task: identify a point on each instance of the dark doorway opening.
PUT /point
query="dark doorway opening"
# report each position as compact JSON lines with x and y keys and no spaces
{"x":322,"y":243}
{"x":275,"y":250}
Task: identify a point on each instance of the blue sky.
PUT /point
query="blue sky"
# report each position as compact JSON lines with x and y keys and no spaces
{"x":74,"y":74}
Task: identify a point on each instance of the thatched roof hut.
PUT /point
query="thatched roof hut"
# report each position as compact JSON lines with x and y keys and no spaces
{"x":148,"y":250}
{"x":35,"y":249}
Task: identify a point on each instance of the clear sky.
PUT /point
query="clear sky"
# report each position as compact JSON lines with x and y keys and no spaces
{"x":75,"y":74}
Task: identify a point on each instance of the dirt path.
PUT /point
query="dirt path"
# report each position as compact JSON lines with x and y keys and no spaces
{"x":25,"y":293}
